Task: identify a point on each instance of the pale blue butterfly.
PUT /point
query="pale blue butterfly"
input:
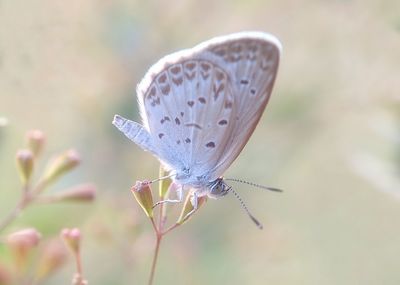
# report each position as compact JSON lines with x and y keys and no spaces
{"x":200,"y":106}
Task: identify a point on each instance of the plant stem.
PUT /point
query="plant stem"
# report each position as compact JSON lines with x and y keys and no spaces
{"x":170,"y":228}
{"x":159,"y":235}
{"x":78,"y":265}
{"x":78,"y":277}
{"x":155,"y":258}
{"x":24,"y":201}
{"x":154,"y":225}
{"x":162,"y":218}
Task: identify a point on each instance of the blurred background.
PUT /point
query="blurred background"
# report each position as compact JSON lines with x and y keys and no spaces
{"x":329,"y":137}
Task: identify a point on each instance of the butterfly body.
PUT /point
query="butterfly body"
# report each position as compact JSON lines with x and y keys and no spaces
{"x":200,"y":106}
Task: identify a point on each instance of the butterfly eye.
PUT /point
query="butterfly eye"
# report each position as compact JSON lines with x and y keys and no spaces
{"x":219,"y":189}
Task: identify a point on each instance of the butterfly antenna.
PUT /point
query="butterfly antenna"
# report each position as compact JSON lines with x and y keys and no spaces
{"x":258,"y":224}
{"x":254,"y":184}
{"x":162,"y":178}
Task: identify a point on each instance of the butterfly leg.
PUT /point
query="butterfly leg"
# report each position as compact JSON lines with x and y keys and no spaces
{"x":179,"y":193}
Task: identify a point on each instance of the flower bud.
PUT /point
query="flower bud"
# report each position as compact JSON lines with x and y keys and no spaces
{"x":21,"y":243}
{"x":60,"y":165}
{"x":36,"y":140}
{"x":79,"y":193}
{"x":144,"y":197}
{"x":26,"y":238}
{"x":53,"y":257}
{"x":163,"y":184}
{"x":188,"y":207}
{"x":72,"y":238}
{"x":25,"y":162}
{"x":78,"y":280}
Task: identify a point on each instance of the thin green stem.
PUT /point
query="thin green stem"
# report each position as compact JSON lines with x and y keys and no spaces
{"x":162,"y":218}
{"x":78,"y":264}
{"x":170,"y":228}
{"x":24,"y":201}
{"x":28,"y":195}
{"x":155,"y":258}
{"x":153,"y":223}
{"x":41,"y":185}
{"x":159,"y":235}
{"x":78,"y":279}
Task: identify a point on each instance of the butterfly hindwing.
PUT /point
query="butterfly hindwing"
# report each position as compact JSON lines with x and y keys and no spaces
{"x":188,"y":108}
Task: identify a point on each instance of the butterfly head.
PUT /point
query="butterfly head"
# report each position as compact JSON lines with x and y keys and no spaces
{"x":218,"y":188}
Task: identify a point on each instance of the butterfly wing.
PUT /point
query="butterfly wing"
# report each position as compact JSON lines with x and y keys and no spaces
{"x":201,"y":105}
{"x":182,"y":100}
{"x":251,"y":61}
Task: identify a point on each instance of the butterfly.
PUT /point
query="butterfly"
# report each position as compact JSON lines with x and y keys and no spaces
{"x":200,"y":106}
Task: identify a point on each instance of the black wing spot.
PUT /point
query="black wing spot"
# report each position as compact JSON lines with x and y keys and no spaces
{"x":223,"y":122}
{"x":187,"y":140}
{"x":178,"y":142}
{"x":193,"y":125}
{"x":177,"y":121}
{"x":244,"y":81}
{"x":182,"y":114}
{"x":210,"y":144}
{"x":163,"y":120}
{"x":190,"y":103}
{"x":202,"y":100}
{"x":253,"y":91}
{"x":160,"y":135}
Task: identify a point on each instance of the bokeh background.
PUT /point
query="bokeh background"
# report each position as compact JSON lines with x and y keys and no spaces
{"x":329,"y":138}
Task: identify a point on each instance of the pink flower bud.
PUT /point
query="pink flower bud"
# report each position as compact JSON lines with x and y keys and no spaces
{"x":36,"y":140}
{"x":22,"y":242}
{"x":25,"y":162}
{"x":60,"y":165}
{"x":72,"y":238}
{"x":142,"y":193}
{"x":79,"y":193}
{"x":26,"y":238}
